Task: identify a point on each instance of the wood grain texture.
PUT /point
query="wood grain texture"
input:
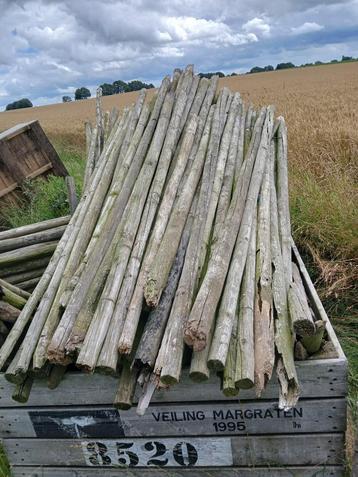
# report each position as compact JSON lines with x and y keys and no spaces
{"x":316,"y":471}
{"x":318,"y":378}
{"x":324,"y":449}
{"x":204,"y":419}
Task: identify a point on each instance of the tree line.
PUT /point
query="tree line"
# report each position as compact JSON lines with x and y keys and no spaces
{"x":119,"y":86}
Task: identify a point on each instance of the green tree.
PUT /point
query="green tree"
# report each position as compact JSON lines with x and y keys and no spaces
{"x":66,"y":99}
{"x":21,"y":103}
{"x":120,"y":87}
{"x":256,"y":69}
{"x":136,"y":85}
{"x":107,"y":89}
{"x":82,"y":93}
{"x":284,"y":66}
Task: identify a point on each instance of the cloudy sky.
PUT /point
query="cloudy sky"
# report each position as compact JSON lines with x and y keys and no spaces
{"x":50,"y":47}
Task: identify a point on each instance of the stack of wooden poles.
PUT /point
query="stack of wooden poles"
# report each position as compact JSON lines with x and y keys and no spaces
{"x":178,"y":251}
{"x":26,"y":251}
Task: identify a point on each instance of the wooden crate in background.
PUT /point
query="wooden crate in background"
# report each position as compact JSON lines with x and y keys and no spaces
{"x":25,"y":153}
{"x":190,"y":430}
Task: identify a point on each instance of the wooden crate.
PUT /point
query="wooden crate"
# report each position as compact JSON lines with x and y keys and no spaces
{"x":190,"y":430}
{"x":25,"y":153}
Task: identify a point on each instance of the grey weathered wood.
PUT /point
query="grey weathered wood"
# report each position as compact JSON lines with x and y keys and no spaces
{"x":27,"y":253}
{"x":316,"y":471}
{"x":249,"y":417}
{"x":25,"y":240}
{"x":318,"y":378}
{"x":324,"y":449}
{"x":34,"y":228}
{"x":71,"y":191}
{"x":317,"y":306}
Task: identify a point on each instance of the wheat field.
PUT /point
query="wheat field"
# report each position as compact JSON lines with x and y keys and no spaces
{"x":320,"y":105}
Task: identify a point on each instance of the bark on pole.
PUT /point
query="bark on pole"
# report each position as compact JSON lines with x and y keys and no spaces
{"x":284,"y":340}
{"x":204,"y":309}
{"x":169,"y":359}
{"x":34,"y":228}
{"x":283,"y":206}
{"x":245,"y":356}
{"x":150,"y":341}
{"x":135,"y":307}
{"x":30,"y":252}
{"x":229,"y":374}
{"x":48,"y":314}
{"x":126,"y":388}
{"x":132,"y":215}
{"x":17,"y":243}
{"x":90,"y":267}
{"x":263,"y":314}
{"x":301,"y":316}
{"x":36,"y":296}
{"x":8,"y":313}
{"x":14,"y":289}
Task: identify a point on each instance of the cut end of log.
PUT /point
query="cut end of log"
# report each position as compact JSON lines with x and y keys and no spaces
{"x":123,"y":406}
{"x":167,"y":379}
{"x":57,"y":356}
{"x":304,"y":327}
{"x":216,"y":365}
{"x":195,"y":339}
{"x":245,"y":383}
{"x":198,"y":377}
{"x":124,"y":347}
{"x":151,"y":294}
{"x":16,"y":377}
{"x":230,"y":391}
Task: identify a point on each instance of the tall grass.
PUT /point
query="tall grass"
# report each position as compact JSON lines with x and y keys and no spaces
{"x":47,"y":199}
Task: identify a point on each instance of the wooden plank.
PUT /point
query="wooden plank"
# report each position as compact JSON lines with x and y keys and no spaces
{"x":318,"y":378}
{"x":316,"y":301}
{"x":39,"y":171}
{"x":8,"y":189}
{"x":225,"y":418}
{"x":312,"y":471}
{"x":9,"y":164}
{"x":15,"y":130}
{"x":41,"y":139}
{"x":313,"y":449}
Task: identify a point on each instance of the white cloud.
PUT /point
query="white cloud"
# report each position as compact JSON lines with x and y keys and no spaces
{"x":257,"y":26}
{"x":47,"y":45}
{"x":307,"y":27}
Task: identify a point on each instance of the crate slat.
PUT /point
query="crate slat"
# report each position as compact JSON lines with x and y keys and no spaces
{"x":312,"y":449}
{"x":319,"y":378}
{"x":225,"y":418}
{"x":316,"y":471}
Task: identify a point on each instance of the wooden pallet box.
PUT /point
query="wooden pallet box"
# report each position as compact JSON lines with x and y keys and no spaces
{"x":25,"y":153}
{"x":189,"y":430}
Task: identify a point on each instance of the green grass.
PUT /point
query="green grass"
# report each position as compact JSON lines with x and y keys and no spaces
{"x":4,"y":465}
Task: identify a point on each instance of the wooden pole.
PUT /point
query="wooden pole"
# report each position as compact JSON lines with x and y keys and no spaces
{"x":284,"y":339}
{"x":14,"y":289}
{"x":34,"y":228}
{"x":8,"y":313}
{"x":301,"y":316}
{"x":263,"y":314}
{"x":245,"y":355}
{"x":204,"y":309}
{"x":12,"y":244}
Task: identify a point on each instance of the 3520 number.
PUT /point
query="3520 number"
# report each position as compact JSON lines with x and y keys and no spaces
{"x":100,"y":454}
